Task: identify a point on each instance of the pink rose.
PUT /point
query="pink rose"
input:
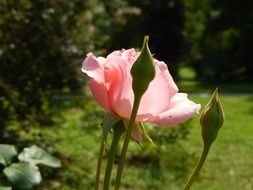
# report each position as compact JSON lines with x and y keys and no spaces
{"x":111,"y":85}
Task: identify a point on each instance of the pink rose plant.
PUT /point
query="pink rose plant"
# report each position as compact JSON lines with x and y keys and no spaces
{"x":138,"y":88}
{"x":111,"y":86}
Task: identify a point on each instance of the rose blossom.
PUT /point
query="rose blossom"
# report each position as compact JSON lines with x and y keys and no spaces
{"x":111,"y":85}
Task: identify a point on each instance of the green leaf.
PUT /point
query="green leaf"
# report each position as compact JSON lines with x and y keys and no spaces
{"x":109,"y":121}
{"x":2,"y":160}
{"x":37,"y":155}
{"x":4,"y":185}
{"x":7,"y":153}
{"x":23,"y":175}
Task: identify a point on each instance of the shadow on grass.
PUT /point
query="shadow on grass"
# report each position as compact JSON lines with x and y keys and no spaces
{"x":192,"y":86}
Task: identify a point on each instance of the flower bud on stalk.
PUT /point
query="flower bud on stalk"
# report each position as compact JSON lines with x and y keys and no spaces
{"x":143,"y":70}
{"x":211,"y":119}
{"x":134,"y":86}
{"x":140,"y":83}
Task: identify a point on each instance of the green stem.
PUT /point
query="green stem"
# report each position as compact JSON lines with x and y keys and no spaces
{"x":115,"y":141}
{"x":198,"y":167}
{"x":99,"y":163}
{"x":126,"y":142}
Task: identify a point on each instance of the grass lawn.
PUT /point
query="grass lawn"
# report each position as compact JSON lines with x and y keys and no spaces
{"x":230,"y":163}
{"x":75,"y":138}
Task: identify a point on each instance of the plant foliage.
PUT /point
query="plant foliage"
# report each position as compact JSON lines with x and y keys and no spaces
{"x":24,"y":173}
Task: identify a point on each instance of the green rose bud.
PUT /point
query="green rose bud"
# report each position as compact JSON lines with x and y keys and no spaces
{"x":143,"y":70}
{"x":211,"y":119}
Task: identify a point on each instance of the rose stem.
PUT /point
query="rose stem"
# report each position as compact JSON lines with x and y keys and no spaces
{"x":118,"y":131}
{"x":126,"y":141}
{"x":99,"y":163}
{"x":198,"y":167}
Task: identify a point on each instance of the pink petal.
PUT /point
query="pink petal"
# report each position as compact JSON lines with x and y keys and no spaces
{"x":94,"y":68}
{"x":157,"y":98}
{"x":100,"y":94}
{"x":119,"y":80}
{"x":181,"y":109}
{"x":130,"y":56}
{"x":169,"y":80}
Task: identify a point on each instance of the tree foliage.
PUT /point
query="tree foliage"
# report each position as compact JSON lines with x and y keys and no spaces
{"x":40,"y":43}
{"x":162,"y":20}
{"x":220,"y":34}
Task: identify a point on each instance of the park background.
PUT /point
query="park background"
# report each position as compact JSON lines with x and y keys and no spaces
{"x":44,"y":99}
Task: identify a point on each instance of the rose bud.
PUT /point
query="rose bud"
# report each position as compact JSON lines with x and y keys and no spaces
{"x":212,"y":119}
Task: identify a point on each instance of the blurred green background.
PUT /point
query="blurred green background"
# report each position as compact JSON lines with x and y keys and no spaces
{"x":44,"y":99}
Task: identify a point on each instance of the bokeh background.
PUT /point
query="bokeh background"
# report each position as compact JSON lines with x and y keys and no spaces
{"x":44,"y":99}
